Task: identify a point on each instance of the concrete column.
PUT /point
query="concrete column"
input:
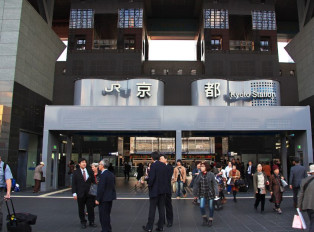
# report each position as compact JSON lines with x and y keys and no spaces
{"x":178,"y":144}
{"x":68,"y":159}
{"x":284,"y":156}
{"x":303,"y":146}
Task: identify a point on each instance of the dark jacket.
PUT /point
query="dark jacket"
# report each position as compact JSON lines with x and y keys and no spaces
{"x":106,"y":187}
{"x":79,"y":186}
{"x":157,"y":179}
{"x":253,"y":169}
{"x":211,"y":181}
{"x":169,"y":177}
{"x":297,"y":174}
{"x":274,"y":186}
{"x":306,"y":198}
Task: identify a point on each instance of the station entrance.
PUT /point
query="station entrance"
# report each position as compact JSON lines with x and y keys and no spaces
{"x":135,"y":148}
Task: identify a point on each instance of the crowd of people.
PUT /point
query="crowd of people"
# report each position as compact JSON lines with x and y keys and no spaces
{"x":210,"y":181}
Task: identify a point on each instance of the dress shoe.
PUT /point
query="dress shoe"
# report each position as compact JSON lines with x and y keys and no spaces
{"x":83,"y":226}
{"x":145,"y":229}
{"x":92,"y":224}
{"x":169,"y":225}
{"x":159,"y":229}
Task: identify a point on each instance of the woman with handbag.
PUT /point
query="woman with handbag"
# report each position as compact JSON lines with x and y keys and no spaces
{"x":93,"y":187}
{"x":260,"y":182}
{"x":206,"y":189}
{"x":227,"y":171}
{"x":234,"y":175}
{"x":276,"y":189}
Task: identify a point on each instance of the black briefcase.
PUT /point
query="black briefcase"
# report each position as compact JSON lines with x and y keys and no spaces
{"x":217,"y":204}
{"x":19,"y":222}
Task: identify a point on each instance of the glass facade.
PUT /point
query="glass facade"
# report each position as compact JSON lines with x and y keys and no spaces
{"x":81,"y":18}
{"x":264,"y":20}
{"x":264,"y":87}
{"x":216,"y":19}
{"x":130,"y":18}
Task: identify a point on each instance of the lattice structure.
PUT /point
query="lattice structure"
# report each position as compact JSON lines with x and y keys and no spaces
{"x":264,"y":20}
{"x":216,"y":19}
{"x":130,"y":18}
{"x":81,"y":18}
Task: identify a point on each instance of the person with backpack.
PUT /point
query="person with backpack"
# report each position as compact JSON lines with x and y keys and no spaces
{"x":306,"y":197}
{"x":5,"y":186}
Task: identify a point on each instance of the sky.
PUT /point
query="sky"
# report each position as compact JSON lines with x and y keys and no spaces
{"x":184,"y":50}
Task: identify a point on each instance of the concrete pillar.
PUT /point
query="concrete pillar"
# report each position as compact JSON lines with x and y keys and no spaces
{"x":303,"y":146}
{"x":68,"y":159}
{"x":178,"y":144}
{"x":284,"y":157}
{"x":49,"y":141}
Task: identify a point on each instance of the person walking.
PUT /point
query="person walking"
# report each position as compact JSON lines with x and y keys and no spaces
{"x":168,"y":201}
{"x":249,"y":174}
{"x":297,"y":174}
{"x":235,"y":175}
{"x":306,"y":197}
{"x":221,"y":179}
{"x":82,"y":180}
{"x":179,"y":175}
{"x":140,"y":174}
{"x":158,"y":187}
{"x":71,"y":167}
{"x":5,"y":186}
{"x":106,"y":193}
{"x":38,"y":175}
{"x":127,"y":169}
{"x":206,"y":189}
{"x":227,"y":171}
{"x":276,"y":188}
{"x":260,"y":182}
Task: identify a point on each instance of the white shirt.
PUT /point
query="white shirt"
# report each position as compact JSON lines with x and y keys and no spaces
{"x":227,"y":170}
{"x":86,"y":174}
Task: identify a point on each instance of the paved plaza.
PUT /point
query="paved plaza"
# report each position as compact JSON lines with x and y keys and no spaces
{"x":57,"y":212}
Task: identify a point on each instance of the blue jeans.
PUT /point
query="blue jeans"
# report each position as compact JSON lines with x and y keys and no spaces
{"x":229,"y":187}
{"x":210,"y":206}
{"x":179,"y":187}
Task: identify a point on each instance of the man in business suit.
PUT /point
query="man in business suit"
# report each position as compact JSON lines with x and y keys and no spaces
{"x":81,"y":182}
{"x":249,"y":174}
{"x":168,"y":202}
{"x":157,"y":185}
{"x":297,"y":174}
{"x":106,"y":193}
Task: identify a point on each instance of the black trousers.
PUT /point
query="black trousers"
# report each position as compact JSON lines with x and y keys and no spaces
{"x":104,"y":216}
{"x":310,"y":213}
{"x":249,"y":181}
{"x":155,"y":202}
{"x":169,"y":210}
{"x":126,"y":174}
{"x":260,"y":198}
{"x":295,"y":195}
{"x":89,"y":201}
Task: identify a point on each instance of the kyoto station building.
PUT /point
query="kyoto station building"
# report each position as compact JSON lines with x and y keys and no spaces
{"x":111,"y":99}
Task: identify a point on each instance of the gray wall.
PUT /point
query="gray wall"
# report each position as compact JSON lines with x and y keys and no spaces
{"x":301,"y":49}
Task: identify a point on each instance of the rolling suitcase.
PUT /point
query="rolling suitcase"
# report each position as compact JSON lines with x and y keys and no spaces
{"x":19,"y":222}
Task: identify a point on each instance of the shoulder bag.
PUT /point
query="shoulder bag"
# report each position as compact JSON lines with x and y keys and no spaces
{"x":93,"y":190}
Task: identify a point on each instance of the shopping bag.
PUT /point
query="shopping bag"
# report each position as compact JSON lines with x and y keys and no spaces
{"x":174,"y":189}
{"x":229,"y":181}
{"x":297,"y":224}
{"x":302,"y":219}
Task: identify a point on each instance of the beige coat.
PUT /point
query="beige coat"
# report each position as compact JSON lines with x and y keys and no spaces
{"x":176,"y":173}
{"x":306,"y":199}
{"x":38,"y":172}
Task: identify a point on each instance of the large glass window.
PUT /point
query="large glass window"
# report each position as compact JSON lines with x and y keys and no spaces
{"x":264,"y":20}
{"x":130,"y":18}
{"x":216,"y":19}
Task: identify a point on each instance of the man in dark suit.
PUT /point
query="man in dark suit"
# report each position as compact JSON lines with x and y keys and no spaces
{"x":106,"y":193}
{"x":249,"y":174}
{"x":297,"y":174}
{"x":157,"y":185}
{"x":81,"y":182}
{"x":168,"y":203}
